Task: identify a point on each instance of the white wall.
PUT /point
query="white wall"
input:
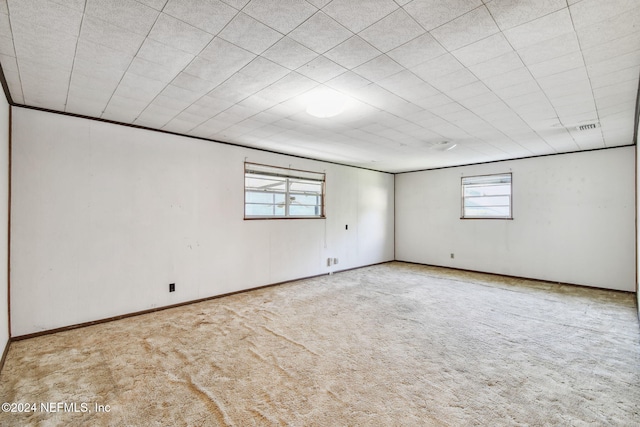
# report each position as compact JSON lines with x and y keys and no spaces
{"x":104,"y":217}
{"x":573,"y":220}
{"x":4,"y":219}
{"x":637,"y":157}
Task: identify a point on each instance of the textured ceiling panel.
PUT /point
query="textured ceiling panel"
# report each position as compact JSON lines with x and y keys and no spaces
{"x":392,"y":31}
{"x":500,"y":78}
{"x":210,"y":15}
{"x":361,"y":14}
{"x":434,"y":13}
{"x":128,"y":14}
{"x":281,"y":15}
{"x":320,"y":33}
{"x":511,"y":13}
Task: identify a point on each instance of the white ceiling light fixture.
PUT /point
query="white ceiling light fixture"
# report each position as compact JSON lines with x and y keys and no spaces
{"x":325,"y":104}
{"x":444,"y":146}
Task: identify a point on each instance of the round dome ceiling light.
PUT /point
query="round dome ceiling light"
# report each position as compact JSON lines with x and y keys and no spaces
{"x":327,"y":104}
{"x":444,"y":146}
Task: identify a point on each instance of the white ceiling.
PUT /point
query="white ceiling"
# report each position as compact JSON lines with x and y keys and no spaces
{"x":502,"y":79}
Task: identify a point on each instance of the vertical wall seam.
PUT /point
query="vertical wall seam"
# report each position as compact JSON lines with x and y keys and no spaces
{"x":9,"y":173}
{"x":635,"y":141}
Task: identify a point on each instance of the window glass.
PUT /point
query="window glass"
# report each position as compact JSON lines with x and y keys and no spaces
{"x":273,"y":192}
{"x":487,"y":196}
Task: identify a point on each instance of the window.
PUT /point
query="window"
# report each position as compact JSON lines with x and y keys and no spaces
{"x":487,"y":196}
{"x":273,"y":192}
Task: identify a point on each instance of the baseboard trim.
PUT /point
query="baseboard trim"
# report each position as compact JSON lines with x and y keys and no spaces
{"x":514,"y":277}
{"x":356,"y":268}
{"x":167,"y":307}
{"x":4,"y":353}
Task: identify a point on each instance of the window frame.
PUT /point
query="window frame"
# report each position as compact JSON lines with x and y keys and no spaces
{"x":291,"y":176}
{"x":463,"y":198}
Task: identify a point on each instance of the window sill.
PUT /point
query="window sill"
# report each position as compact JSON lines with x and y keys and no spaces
{"x":258,"y":218}
{"x":507,"y":219}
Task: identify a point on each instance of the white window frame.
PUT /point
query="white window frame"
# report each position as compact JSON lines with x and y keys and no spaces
{"x":486,"y":181}
{"x":289,"y":177}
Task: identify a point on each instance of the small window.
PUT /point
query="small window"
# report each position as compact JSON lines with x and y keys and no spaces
{"x":487,"y":196}
{"x":273,"y":192}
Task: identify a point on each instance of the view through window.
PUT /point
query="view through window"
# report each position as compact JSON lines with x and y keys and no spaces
{"x":487,"y":196}
{"x":274,"y":192}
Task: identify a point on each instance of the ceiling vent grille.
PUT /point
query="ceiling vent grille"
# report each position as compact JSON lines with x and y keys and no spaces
{"x":587,"y":127}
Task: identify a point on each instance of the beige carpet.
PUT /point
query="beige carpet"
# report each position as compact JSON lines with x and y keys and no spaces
{"x":389,"y":345}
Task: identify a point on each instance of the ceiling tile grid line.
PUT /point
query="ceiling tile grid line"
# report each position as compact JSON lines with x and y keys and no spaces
{"x":220,"y":113}
{"x":148,"y":36}
{"x":291,"y":31}
{"x":191,"y":129}
{"x":557,"y":122}
{"x":187,"y":65}
{"x":66,"y":101}
{"x":8,"y":49}
{"x":445,"y":50}
{"x":597,"y":113}
{"x":530,"y":74}
{"x":200,"y":123}
{"x":106,"y":108}
{"x":496,"y":79}
{"x":467,"y":13}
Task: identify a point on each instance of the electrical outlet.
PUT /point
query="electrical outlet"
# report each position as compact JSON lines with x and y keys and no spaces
{"x":346,"y":227}
{"x":329,"y":262}
{"x":335,"y":260}
{"x":452,"y":257}
{"x":172,"y":287}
